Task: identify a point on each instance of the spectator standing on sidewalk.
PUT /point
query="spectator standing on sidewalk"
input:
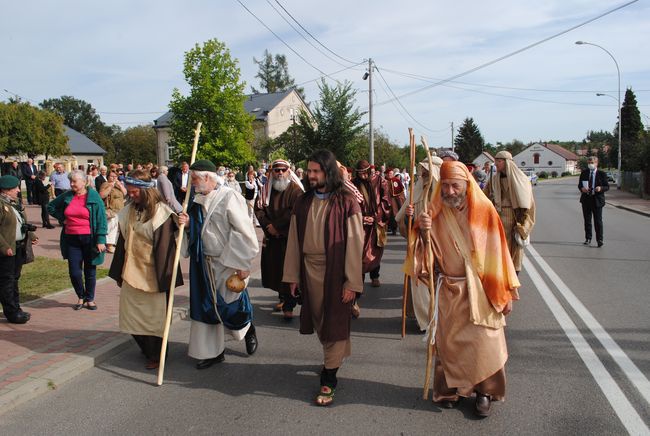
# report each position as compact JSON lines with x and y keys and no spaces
{"x":59,"y":179}
{"x":250,"y":194}
{"x":41,"y":196}
{"x":30,"y":173}
{"x":14,"y":237}
{"x":83,"y":236}
{"x":323,"y":259}
{"x":164,"y":185}
{"x":142,"y":265}
{"x":113,"y":193}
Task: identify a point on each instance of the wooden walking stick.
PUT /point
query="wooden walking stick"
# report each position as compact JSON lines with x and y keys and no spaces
{"x":177,"y":259}
{"x":408,"y":235}
{"x":432,"y":288}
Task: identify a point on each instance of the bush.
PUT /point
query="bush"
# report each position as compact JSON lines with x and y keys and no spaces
{"x":554,"y":174}
{"x":542,"y":175}
{"x":566,"y":173}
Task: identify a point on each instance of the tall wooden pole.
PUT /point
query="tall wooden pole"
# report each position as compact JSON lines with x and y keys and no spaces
{"x":410,"y":224}
{"x":177,"y":259}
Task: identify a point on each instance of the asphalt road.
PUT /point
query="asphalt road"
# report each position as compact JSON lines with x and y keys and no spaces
{"x":578,"y":343}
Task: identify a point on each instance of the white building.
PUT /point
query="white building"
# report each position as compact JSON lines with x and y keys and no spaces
{"x":547,"y":157}
{"x":482,"y":158}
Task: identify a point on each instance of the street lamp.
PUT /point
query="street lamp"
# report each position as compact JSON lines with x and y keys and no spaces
{"x":620,"y":121}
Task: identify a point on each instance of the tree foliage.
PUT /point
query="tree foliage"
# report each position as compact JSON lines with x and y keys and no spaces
{"x":77,"y":114}
{"x":25,"y":129}
{"x":216,"y":98}
{"x":631,"y":134}
{"x":469,"y":141}
{"x":274,"y":74}
{"x":335,"y":123}
{"x":135,"y":145}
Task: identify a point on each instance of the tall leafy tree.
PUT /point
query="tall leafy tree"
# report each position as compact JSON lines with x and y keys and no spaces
{"x":25,"y":129}
{"x":77,"y":114}
{"x":216,"y":98}
{"x":469,"y":141}
{"x":335,"y":123}
{"x":136,"y":144}
{"x":631,"y":150}
{"x":274,"y":74}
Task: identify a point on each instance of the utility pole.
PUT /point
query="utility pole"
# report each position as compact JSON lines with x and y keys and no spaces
{"x":452,"y":137}
{"x":368,"y":76}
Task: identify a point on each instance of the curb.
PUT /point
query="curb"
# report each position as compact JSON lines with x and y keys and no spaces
{"x":629,"y":209}
{"x":58,"y":375}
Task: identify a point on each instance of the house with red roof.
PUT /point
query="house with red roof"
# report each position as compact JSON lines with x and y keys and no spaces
{"x":547,"y":157}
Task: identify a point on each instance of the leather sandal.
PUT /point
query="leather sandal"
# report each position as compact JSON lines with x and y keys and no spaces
{"x":325,"y":396}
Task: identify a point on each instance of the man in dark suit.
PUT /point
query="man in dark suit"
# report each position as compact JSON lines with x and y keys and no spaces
{"x":101,"y":178}
{"x":16,"y":171}
{"x":180,"y":181}
{"x":30,"y":172}
{"x":593,"y":184}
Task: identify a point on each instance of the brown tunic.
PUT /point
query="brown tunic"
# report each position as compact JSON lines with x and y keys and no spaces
{"x":324,"y":256}
{"x":376,"y":204}
{"x":469,"y":357}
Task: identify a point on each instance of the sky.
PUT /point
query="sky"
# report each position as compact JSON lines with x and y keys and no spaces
{"x":125,"y":58}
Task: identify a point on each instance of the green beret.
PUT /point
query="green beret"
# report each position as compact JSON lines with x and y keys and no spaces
{"x":203,"y":165}
{"x":9,"y":182}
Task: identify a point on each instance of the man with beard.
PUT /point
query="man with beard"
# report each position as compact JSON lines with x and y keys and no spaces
{"x":273,"y":212}
{"x":323,"y":258}
{"x":420,"y":299}
{"x":474,"y":276}
{"x":512,"y":194}
{"x":222,"y":244}
{"x":376,"y":211}
{"x":142,"y":266}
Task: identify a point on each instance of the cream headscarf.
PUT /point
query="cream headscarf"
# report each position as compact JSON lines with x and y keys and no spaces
{"x":418,"y":189}
{"x":518,"y":183}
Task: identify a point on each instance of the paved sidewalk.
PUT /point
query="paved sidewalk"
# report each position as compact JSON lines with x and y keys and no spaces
{"x":58,"y":342}
{"x":627,"y":201}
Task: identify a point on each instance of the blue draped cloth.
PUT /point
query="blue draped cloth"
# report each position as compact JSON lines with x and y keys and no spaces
{"x":203,"y":306}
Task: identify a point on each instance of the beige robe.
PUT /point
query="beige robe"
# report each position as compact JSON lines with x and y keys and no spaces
{"x":314,"y":262}
{"x":469,"y":356}
{"x":142,"y":306}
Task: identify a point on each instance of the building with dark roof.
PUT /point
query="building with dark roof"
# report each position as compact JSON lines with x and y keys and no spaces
{"x":274,"y":113}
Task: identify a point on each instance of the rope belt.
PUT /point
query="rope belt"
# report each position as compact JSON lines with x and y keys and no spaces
{"x":433,"y":324}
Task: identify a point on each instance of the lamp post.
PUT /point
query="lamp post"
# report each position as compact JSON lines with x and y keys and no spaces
{"x":368,"y":76}
{"x":620,"y":121}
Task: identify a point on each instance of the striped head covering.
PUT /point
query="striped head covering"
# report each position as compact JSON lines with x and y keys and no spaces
{"x":267,"y":189}
{"x":490,"y":258}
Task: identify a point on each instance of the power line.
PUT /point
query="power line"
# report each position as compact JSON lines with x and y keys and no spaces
{"x":313,"y":37}
{"x":511,"y":54}
{"x":303,"y":36}
{"x":330,"y":74}
{"x":285,"y":43}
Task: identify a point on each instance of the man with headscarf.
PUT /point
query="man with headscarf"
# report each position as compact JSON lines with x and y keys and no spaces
{"x":273,"y":211}
{"x":475,"y":285}
{"x":512,"y":194}
{"x":376,"y":211}
{"x":396,"y":195}
{"x":420,"y":299}
{"x":222,"y":245}
{"x":323,"y":258}
{"x":142,"y":265}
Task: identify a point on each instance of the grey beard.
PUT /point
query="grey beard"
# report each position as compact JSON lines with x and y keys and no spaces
{"x":281,"y":184}
{"x":450,"y":201}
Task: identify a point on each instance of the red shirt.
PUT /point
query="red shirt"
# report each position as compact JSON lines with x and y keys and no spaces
{"x":77,"y":216}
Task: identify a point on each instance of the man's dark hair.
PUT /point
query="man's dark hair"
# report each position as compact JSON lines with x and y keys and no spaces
{"x":327,"y":161}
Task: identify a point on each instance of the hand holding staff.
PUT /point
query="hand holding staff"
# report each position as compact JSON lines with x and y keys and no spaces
{"x":177,"y":258}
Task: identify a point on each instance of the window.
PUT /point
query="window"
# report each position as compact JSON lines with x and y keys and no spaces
{"x":523,"y":163}
{"x":550,"y":163}
{"x":536,"y":158}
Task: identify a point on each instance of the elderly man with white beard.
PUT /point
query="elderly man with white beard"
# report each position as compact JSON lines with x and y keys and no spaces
{"x":222,"y":244}
{"x":273,"y":211}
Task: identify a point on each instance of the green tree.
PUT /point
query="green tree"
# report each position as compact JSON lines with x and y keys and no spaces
{"x":216,"y":98}
{"x":77,"y":114}
{"x":335,"y":122}
{"x":631,"y":149}
{"x":274,"y":74}
{"x":136,"y":144}
{"x":469,"y":141}
{"x":514,"y":147}
{"x":25,"y":129}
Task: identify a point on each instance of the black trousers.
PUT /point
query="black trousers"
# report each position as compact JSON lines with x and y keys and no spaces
{"x":29,"y":184}
{"x":10,"y":270}
{"x":590,"y":209}
{"x":150,"y":346}
{"x":45,"y":217}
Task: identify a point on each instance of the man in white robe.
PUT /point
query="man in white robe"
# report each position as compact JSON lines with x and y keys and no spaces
{"x":222,"y":243}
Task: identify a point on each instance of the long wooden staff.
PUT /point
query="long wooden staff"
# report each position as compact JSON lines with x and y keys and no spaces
{"x":410,"y":224}
{"x":177,"y":259}
{"x":432,"y":288}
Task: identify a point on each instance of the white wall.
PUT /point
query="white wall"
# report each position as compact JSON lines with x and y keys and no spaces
{"x":549,"y":161}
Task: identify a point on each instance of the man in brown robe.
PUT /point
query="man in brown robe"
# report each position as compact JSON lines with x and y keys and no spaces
{"x":396,"y":196}
{"x":143,"y":264}
{"x":512,"y":194}
{"x":376,"y":211}
{"x":475,"y":285}
{"x":273,"y":211}
{"x":323,"y":257}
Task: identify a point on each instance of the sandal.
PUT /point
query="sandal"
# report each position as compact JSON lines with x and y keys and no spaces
{"x":78,"y":306}
{"x":325,"y":396}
